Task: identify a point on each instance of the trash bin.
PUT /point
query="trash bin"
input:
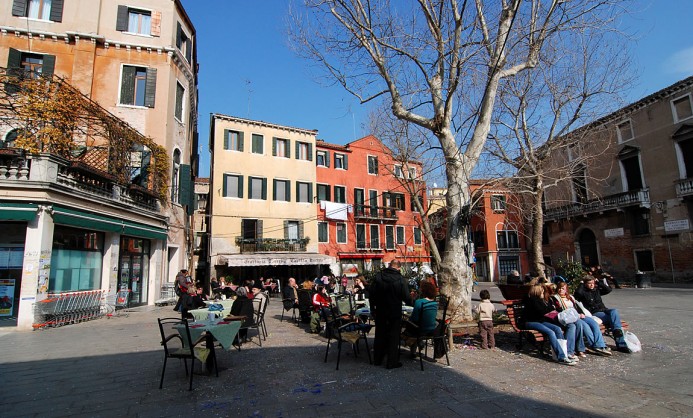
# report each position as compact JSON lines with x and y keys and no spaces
{"x":642,"y":281}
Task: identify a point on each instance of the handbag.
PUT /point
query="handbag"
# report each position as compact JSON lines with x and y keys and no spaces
{"x":632,"y":342}
{"x":568,"y":316}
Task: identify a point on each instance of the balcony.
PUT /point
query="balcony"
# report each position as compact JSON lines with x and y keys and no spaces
{"x":684,"y":188}
{"x":639,"y":198}
{"x":374,"y":213}
{"x":257,"y":245}
{"x":33,"y":171}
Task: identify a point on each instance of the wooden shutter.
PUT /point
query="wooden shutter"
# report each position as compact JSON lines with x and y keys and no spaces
{"x":286,"y":229}
{"x":19,"y":8}
{"x":327,"y":158}
{"x":57,"y":11}
{"x":185,"y":183}
{"x":287,"y":186}
{"x":240,"y":186}
{"x":264,"y":189}
{"x":150,"y":88}
{"x":310,"y":152}
{"x":225,"y":191}
{"x":258,"y":229}
{"x":300,"y":229}
{"x":274,"y":147}
{"x":288,"y":148}
{"x":310,"y":192}
{"x":14,"y":61}
{"x":178,"y":34}
{"x":156,"y":24}
{"x":274,"y":189}
{"x":48,"y":66}
{"x":346,"y":164}
{"x":240,"y":141}
{"x":122,"y":18}
{"x":188,"y":50}
{"x":297,"y":148}
{"x":127,"y":86}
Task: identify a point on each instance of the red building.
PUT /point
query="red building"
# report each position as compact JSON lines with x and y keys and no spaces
{"x":496,"y":230}
{"x":366,"y":216}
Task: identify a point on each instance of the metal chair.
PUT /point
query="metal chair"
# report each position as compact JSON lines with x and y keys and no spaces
{"x":344,"y":328}
{"x":176,"y":329}
{"x":439,"y":336}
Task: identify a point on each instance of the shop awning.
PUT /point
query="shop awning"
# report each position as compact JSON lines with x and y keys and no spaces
{"x":18,"y":211}
{"x":86,"y":220}
{"x":270,"y":259}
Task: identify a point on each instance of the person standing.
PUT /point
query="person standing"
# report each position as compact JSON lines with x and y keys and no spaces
{"x":485,"y":311}
{"x":387,"y":292}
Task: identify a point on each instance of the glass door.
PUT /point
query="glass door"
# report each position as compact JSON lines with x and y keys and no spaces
{"x":134,"y":273}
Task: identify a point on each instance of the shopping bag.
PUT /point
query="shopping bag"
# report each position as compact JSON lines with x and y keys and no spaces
{"x":632,"y":342}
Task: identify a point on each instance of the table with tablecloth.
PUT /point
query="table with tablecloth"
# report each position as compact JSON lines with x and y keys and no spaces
{"x":223,"y":331}
{"x":203,"y":313}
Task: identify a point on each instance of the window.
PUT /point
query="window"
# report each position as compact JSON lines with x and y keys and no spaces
{"x":682,"y":108}
{"x":39,"y":9}
{"x":413,"y":205}
{"x":624,"y":130}
{"x":498,"y":203}
{"x":360,"y":236}
{"x":359,"y":208}
{"x":293,"y":230}
{"x":640,"y":223}
{"x":281,"y":191}
{"x":138,"y":21}
{"x":389,"y":237}
{"x":24,"y":64}
{"x":257,"y":188}
{"x":175,"y":176}
{"x":304,"y":192}
{"x":233,"y":140}
{"x":643,"y":260}
{"x":479,"y":239}
{"x":258,"y":145}
{"x":580,"y":184}
{"x":251,"y":229}
{"x":372,"y":164}
{"x":233,"y":185}
{"x":398,"y":201}
{"x":341,"y":233}
{"x":375,"y":236}
{"x":373,"y":202}
{"x":322,"y":158}
{"x":180,"y":94}
{"x":631,"y":173}
{"x":417,"y":236}
{"x":304,"y":151}
{"x":323,"y":192}
{"x":323,"y":234}
{"x":507,"y":264}
{"x":684,"y":151}
{"x":398,"y":171}
{"x":340,"y":194}
{"x":280,"y":148}
{"x":140,"y":160}
{"x":412,"y":173}
{"x":400,"y":235}
{"x":183,"y":42}
{"x":340,"y":161}
{"x":138,"y":86}
{"x":506,"y":240}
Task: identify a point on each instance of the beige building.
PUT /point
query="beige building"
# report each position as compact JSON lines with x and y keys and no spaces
{"x":262,"y":200}
{"x":629,"y":209}
{"x":139,"y":64}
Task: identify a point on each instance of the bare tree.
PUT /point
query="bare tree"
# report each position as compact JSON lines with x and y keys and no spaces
{"x":534,"y":131}
{"x":441,"y":64}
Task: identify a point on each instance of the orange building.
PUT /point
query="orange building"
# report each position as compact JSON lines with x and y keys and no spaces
{"x":365,"y":213}
{"x":496,"y":231}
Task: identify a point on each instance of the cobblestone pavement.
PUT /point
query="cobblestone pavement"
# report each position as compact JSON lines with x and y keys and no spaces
{"x":111,"y":367}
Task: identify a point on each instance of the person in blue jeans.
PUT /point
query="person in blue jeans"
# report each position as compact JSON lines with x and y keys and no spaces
{"x":586,"y":326}
{"x":590,"y":294}
{"x":537,"y":306}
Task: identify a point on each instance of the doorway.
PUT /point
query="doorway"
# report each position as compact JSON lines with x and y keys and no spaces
{"x":133,"y":269}
{"x":588,"y":248}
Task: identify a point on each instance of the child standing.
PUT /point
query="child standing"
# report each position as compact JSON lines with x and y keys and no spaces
{"x":485,"y":311}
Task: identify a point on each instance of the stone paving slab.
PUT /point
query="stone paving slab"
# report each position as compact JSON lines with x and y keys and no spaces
{"x":111,"y":368}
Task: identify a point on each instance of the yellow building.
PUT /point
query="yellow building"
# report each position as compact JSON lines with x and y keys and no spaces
{"x":262,"y":199}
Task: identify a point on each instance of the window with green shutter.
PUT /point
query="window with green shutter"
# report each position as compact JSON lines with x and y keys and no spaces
{"x":138,"y":86}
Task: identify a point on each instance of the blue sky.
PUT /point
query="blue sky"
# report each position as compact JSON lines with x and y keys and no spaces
{"x":248,"y":70}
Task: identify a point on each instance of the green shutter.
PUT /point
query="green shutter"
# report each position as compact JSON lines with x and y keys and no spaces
{"x":184,"y":181}
{"x":225,"y":191}
{"x":310,"y":192}
{"x":240,"y":186}
{"x":300,"y":229}
{"x":188,"y":50}
{"x":287,"y":187}
{"x":264,"y":189}
{"x":240,"y":141}
{"x":48,"y":66}
{"x":179,"y":30}
{"x":226,"y":138}
{"x":250,"y":187}
{"x":346,"y":164}
{"x":14,"y":62}
{"x":122,"y":19}
{"x":274,"y":189}
{"x":19,"y":8}
{"x":57,"y":11}
{"x":286,"y":229}
{"x":288,"y":148}
{"x":127,"y":87}
{"x":150,"y":88}
{"x":327,"y":158}
{"x":297,"y":148}
{"x":310,"y":152}
{"x":274,"y":147}
{"x":258,"y":229}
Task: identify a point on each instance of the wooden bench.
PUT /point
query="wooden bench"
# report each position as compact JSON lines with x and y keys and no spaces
{"x":515,"y":309}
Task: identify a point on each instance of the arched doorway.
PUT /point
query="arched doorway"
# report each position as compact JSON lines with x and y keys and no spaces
{"x":588,"y":248}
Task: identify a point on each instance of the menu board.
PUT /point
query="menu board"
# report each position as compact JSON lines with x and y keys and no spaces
{"x":6,"y":296}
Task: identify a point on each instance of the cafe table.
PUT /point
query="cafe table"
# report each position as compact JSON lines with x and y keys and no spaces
{"x":366,"y":310}
{"x":217,"y":330}
{"x":203,"y":313}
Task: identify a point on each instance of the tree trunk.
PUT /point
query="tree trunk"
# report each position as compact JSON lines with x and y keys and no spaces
{"x":537,"y":250}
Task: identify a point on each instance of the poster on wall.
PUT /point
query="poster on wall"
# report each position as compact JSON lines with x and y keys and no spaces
{"x":6,"y":296}
{"x":350,"y":270}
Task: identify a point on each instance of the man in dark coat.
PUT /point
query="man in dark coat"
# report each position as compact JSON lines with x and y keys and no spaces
{"x":387,"y":292}
{"x":590,"y":294}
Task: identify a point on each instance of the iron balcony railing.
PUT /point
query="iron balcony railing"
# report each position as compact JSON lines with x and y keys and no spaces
{"x":611,"y":202}
{"x":256,"y":245}
{"x":367,"y":212}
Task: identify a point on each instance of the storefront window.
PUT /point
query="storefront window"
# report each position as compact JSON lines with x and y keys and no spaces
{"x":76,"y":260}
{"x":134,"y":269}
